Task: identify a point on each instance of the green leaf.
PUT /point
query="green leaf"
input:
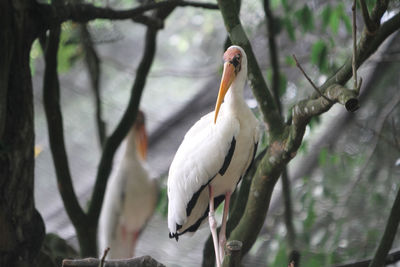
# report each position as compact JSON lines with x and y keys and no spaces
{"x":289,"y":28}
{"x":305,"y":18}
{"x":334,"y":21}
{"x":319,"y":55}
{"x":326,"y":15}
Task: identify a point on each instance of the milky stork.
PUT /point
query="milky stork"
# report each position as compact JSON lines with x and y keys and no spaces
{"x":213,"y":157}
{"x":130,"y":198}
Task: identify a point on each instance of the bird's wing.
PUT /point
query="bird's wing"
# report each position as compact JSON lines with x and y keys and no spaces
{"x":200,"y":157}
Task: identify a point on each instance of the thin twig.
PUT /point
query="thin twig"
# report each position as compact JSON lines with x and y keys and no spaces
{"x":309,"y":80}
{"x":353,"y":8}
{"x":134,"y":262}
{"x":101,"y":264}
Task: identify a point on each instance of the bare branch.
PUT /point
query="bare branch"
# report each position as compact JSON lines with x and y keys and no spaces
{"x":86,"y":12}
{"x":308,"y":78}
{"x":51,"y":99}
{"x":135,"y":262}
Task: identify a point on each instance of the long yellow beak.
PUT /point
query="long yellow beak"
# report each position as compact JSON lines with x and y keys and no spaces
{"x":141,"y":142}
{"x":228,"y":76}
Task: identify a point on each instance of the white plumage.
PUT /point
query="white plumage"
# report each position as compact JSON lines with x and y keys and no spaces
{"x":130,"y":198}
{"x":205,"y":156}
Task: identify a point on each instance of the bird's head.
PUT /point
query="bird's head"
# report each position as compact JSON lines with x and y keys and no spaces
{"x":140,"y":135}
{"x":234,"y":62}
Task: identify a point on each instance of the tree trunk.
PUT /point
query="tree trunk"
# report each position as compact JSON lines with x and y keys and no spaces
{"x":21,"y":226}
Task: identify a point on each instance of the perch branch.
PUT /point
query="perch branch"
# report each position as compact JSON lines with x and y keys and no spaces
{"x":135,"y":262}
{"x":51,"y":99}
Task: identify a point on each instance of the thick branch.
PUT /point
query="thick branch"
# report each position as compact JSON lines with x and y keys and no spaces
{"x":389,"y":234}
{"x":51,"y":99}
{"x":260,"y":90}
{"x":87,"y":12}
{"x":336,"y":93}
{"x":146,"y":261}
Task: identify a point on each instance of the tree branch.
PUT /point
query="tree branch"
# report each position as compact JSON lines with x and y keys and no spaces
{"x":389,"y":234}
{"x":135,"y":262}
{"x":86,"y":12}
{"x":93,"y":64}
{"x":273,"y":54}
{"x":260,"y":90}
{"x":51,"y":99}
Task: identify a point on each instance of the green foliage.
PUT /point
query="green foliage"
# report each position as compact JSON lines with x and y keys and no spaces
{"x":69,"y":50}
{"x":319,"y":55}
{"x":305,"y":18}
{"x":287,"y":23}
{"x":332,"y":16}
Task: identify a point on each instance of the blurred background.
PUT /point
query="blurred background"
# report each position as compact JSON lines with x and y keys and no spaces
{"x":344,"y":178}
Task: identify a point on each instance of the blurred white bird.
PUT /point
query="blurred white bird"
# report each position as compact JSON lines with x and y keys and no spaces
{"x":130,"y":198}
{"x":213,"y":157}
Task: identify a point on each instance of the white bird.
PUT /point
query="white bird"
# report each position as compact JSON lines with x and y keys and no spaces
{"x":213,"y":157}
{"x":130,"y":198}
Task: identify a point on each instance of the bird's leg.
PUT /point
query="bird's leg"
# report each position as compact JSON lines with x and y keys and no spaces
{"x":222,"y":232}
{"x":213,"y":226}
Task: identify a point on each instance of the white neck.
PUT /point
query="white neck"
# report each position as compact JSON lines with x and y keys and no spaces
{"x":234,"y":97}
